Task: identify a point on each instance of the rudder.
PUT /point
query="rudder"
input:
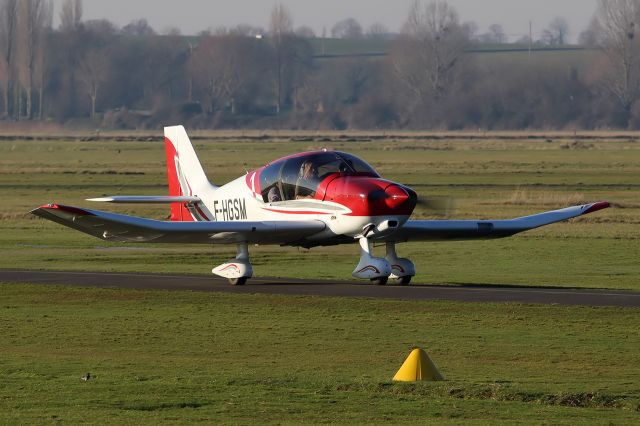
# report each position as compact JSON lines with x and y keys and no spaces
{"x":184,"y":171}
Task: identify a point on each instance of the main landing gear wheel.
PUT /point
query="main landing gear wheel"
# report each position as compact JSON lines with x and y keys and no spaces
{"x":237,"y":270}
{"x":375,"y":269}
{"x":403,"y":269}
{"x":380,"y":280}
{"x":402,"y":280}
{"x":238,"y":281}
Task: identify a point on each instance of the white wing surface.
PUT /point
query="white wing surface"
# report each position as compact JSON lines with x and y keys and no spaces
{"x":444,"y":230}
{"x":123,"y":228}
{"x":145,"y":199}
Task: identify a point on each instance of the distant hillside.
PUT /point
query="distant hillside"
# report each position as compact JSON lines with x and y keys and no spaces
{"x":337,"y":48}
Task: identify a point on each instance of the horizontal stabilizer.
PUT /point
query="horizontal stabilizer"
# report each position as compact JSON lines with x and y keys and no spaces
{"x":145,"y":199}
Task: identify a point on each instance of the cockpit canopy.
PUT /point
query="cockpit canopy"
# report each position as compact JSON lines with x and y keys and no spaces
{"x":299,"y":176}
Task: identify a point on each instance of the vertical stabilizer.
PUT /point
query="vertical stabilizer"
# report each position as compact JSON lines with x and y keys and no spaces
{"x":185,"y":173}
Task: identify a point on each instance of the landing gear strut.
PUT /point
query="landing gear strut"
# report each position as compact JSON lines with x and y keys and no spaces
{"x":402,"y":270}
{"x":237,"y":270}
{"x":381,"y":270}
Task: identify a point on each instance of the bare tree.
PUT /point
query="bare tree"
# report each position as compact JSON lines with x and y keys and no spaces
{"x":93,"y":73}
{"x":101,"y":27}
{"x":171,"y":32}
{"x":41,"y":65}
{"x":225,"y":66}
{"x":495,"y":35}
{"x":430,"y":49}
{"x":246,"y":30}
{"x":590,"y":36}
{"x":470,"y":30}
{"x":139,"y":28}
{"x":145,"y":70}
{"x":348,"y":28}
{"x":70,"y":15}
{"x":8,"y":29}
{"x":356,"y":74}
{"x":556,"y":33}
{"x":35,"y":19}
{"x":305,"y":32}
{"x":280,"y":28}
{"x":378,"y":31}
{"x":618,"y":21}
{"x":205,"y":76}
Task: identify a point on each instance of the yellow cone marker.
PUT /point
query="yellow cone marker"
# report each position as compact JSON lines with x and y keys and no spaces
{"x":417,"y":367}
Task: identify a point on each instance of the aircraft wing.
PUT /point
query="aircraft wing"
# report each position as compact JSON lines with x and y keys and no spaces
{"x":145,"y":199}
{"x":443,"y":230}
{"x":123,"y":228}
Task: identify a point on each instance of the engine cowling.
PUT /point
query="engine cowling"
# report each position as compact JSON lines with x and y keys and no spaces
{"x":369,"y":196}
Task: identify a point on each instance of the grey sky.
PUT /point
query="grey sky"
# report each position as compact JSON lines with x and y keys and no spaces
{"x":192,"y":16}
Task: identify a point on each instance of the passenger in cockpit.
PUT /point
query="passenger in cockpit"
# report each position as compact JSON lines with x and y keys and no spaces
{"x":274,"y":195}
{"x":307,"y":180}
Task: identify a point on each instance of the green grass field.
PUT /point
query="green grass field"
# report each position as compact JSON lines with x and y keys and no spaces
{"x":178,"y":357}
{"x":486,"y":179}
{"x":205,"y":357}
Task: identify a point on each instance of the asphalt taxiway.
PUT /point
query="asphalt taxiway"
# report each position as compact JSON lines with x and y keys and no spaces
{"x":292,"y":286}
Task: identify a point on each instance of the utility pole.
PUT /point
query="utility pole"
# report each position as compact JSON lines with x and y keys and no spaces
{"x":530,"y":38}
{"x":324,"y":37}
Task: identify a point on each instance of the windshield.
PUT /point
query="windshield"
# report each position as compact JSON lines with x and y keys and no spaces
{"x":357,"y":165}
{"x":298,"y":177}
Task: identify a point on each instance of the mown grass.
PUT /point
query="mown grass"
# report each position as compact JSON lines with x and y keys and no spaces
{"x":183,"y":357}
{"x":505,"y":177}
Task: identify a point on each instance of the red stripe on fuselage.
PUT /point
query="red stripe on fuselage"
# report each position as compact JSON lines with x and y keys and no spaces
{"x":202,"y":213}
{"x":294,"y":212}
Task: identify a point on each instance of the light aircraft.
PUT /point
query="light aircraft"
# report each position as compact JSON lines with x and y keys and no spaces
{"x":309,"y":199}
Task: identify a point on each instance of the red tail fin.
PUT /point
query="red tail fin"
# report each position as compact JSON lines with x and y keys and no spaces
{"x":186,"y":177}
{"x":179,"y":212}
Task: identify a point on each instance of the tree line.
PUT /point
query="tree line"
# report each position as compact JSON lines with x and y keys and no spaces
{"x":92,"y":73}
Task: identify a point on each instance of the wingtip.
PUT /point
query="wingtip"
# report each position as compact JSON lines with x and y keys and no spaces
{"x":600,"y":205}
{"x":61,"y":207}
{"x":46,"y":207}
{"x":41,"y":211}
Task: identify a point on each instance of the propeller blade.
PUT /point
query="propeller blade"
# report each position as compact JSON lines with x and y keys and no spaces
{"x":439,"y":206}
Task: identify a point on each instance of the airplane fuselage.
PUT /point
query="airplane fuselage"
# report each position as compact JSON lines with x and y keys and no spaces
{"x":346,"y":201}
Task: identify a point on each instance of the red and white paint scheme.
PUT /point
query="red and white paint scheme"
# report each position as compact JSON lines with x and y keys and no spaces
{"x":310,"y":199}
